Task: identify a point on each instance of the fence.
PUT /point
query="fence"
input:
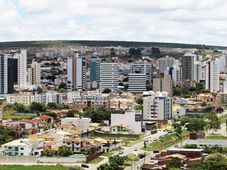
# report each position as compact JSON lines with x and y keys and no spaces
{"x":61,"y":159}
{"x":20,"y":160}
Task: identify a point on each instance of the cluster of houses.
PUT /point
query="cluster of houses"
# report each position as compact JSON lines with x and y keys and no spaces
{"x":75,"y":133}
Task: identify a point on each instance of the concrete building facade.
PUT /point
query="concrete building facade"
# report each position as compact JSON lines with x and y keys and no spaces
{"x":34,"y":73}
{"x":76,"y":72}
{"x":212,"y":76}
{"x":109,"y":76}
{"x":163,"y":84}
{"x":136,"y":83}
{"x":157,"y":106}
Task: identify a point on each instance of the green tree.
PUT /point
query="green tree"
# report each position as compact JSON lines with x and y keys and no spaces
{"x":196,"y":124}
{"x":115,"y":163}
{"x":214,"y":122}
{"x":106,"y":91}
{"x":191,"y":146}
{"x":177,"y":128}
{"x":184,"y":120}
{"x":215,"y":161}
{"x":64,"y":151}
{"x":61,"y":90}
{"x":52,"y":114}
{"x":19,"y":107}
{"x":174,"y":163}
{"x":39,"y":107}
{"x":89,"y":151}
{"x":72,"y":113}
{"x":39,"y":90}
{"x":139,"y":107}
{"x":52,"y":105}
{"x":7,"y":134}
{"x":139,"y":101}
{"x":100,"y":114}
{"x":112,"y":52}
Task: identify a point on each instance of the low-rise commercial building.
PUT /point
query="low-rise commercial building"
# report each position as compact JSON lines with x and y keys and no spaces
{"x":131,"y":119}
{"x":49,"y":97}
{"x":80,"y":123}
{"x":92,"y":100}
{"x":25,"y":99}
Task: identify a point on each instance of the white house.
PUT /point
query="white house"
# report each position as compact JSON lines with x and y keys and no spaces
{"x":81,"y":144}
{"x":22,"y":147}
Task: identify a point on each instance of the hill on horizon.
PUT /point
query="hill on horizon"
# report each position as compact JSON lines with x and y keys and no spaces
{"x":27,"y":44}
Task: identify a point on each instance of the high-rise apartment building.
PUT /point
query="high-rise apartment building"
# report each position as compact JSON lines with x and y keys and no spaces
{"x":163,"y":84}
{"x":212,"y":76}
{"x":34,"y":73}
{"x":197,"y":69}
{"x":164,"y":63}
{"x":3,"y":74}
{"x":143,"y":69}
{"x":157,"y":106}
{"x":175,"y":74}
{"x":13,"y":68}
{"x":136,"y":83}
{"x":76,"y":73}
{"x":187,"y":62}
{"x":95,"y":69}
{"x":22,"y":68}
{"x":109,"y":76}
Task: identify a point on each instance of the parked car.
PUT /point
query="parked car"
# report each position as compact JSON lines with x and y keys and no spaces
{"x":84,"y":166}
{"x":155,"y":151}
{"x":155,"y":139}
{"x":121,"y":152}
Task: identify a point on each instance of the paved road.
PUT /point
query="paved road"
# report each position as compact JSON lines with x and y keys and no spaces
{"x":137,"y":147}
{"x":136,"y":165}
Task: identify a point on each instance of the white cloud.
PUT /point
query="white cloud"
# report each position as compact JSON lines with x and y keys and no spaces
{"x":189,"y":21}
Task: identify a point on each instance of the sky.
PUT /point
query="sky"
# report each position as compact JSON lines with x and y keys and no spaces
{"x":179,"y":21}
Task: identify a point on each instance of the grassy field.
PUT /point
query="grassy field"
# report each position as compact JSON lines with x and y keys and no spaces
{"x":108,"y":154}
{"x":96,"y":160}
{"x":111,"y":153}
{"x":217,"y":137}
{"x":17,"y":167}
{"x":131,"y":142}
{"x":166,"y":141}
{"x":223,"y":119}
{"x":9,"y":113}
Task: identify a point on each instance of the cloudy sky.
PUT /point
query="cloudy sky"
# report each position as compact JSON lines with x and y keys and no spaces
{"x":186,"y":21}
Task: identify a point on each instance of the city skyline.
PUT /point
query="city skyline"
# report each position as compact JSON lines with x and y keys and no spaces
{"x":150,"y":21}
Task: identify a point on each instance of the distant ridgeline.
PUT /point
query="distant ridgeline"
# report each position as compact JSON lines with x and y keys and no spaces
{"x":27,"y":44}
